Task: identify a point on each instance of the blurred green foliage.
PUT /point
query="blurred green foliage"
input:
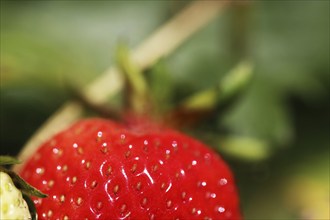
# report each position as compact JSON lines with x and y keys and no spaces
{"x":46,"y":45}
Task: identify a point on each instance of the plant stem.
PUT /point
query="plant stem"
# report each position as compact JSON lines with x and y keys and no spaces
{"x":160,"y":44}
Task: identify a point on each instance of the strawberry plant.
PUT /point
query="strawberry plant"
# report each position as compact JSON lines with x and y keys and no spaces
{"x":275,"y":138}
{"x":140,"y":167}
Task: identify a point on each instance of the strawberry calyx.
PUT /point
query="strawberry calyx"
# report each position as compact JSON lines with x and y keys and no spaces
{"x":204,"y":104}
{"x":137,"y":94}
{"x":122,"y":165}
{"x":138,"y":97}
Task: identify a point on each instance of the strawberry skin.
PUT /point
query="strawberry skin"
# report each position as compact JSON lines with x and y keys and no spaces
{"x":99,"y":169}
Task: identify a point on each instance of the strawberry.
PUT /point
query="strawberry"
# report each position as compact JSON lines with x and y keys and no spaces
{"x":15,"y":202}
{"x":13,"y":206}
{"x":100,"y":169}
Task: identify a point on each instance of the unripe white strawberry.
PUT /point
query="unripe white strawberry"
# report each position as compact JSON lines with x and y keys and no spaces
{"x":12,"y":204}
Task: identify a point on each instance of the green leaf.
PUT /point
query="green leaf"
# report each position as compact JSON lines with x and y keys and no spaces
{"x":137,"y":89}
{"x":236,"y":80}
{"x":8,"y":160}
{"x":232,"y":84}
{"x":24,"y":186}
{"x":244,"y":147}
{"x":161,"y":86}
{"x":262,"y":113}
{"x":130,"y":69}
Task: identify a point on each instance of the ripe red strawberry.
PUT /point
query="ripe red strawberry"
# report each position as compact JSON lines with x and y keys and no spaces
{"x":98,"y":169}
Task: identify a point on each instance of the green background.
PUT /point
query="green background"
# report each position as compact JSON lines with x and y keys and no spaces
{"x":48,"y":45}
